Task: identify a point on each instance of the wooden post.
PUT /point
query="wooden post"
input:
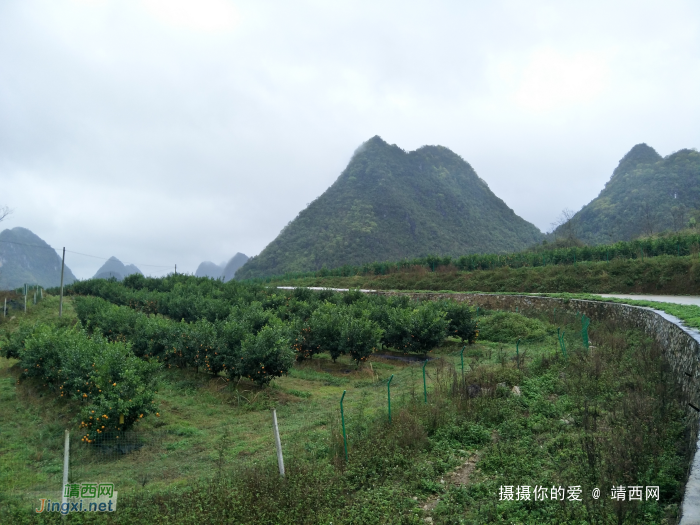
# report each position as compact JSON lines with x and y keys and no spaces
{"x":342,"y":419}
{"x":280,"y":459}
{"x":388,"y":395}
{"x":63,"y":265}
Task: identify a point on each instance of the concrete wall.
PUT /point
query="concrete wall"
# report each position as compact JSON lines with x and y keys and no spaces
{"x":681,"y":347}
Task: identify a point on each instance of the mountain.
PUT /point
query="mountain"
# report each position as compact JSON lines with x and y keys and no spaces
{"x":389,"y":204}
{"x":646,"y":194}
{"x":209,"y":269}
{"x":26,"y":258}
{"x":115,"y":268}
{"x":236,"y":262}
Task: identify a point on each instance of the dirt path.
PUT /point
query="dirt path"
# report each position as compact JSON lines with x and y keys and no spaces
{"x":459,"y":477}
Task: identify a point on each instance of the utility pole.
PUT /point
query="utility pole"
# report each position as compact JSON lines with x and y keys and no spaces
{"x":63,"y":265}
{"x":176,"y":269}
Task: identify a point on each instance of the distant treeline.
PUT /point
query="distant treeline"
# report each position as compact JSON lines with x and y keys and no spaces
{"x":674,"y":245}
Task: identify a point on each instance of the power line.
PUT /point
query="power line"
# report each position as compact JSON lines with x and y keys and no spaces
{"x":33,"y":245}
{"x":83,"y":254}
{"x":106,"y":259}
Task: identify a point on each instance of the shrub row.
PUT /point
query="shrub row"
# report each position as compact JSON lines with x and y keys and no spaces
{"x":246,"y":344}
{"x":320,"y":320}
{"x":681,"y":244}
{"x":260,"y":339}
{"x":114,"y":387}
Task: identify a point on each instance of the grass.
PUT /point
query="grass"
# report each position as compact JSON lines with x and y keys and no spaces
{"x":211,"y":456}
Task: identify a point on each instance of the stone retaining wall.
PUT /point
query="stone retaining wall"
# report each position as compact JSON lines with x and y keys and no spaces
{"x":681,"y":346}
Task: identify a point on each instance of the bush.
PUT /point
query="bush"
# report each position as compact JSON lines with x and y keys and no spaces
{"x":417,"y":330}
{"x":325,"y":330}
{"x":115,"y":387}
{"x":508,"y":327}
{"x":429,"y":327}
{"x":359,"y":337}
{"x":14,"y":343}
{"x":227,"y":355}
{"x":460,"y":321}
{"x":267,"y":354}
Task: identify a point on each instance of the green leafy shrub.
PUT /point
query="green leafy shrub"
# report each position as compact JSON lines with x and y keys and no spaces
{"x":416,"y":330}
{"x":14,"y":342}
{"x":267,"y":354}
{"x":508,"y":327}
{"x":359,"y":337}
{"x":397,"y":331}
{"x":115,"y":387}
{"x":461,"y":322}
{"x":227,"y":355}
{"x":325,"y":330}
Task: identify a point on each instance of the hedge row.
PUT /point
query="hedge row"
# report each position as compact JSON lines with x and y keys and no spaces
{"x":114,"y":387}
{"x":252,"y":345}
{"x":672,"y":245}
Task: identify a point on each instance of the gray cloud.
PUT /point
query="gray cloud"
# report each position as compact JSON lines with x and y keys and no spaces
{"x":176,"y":131}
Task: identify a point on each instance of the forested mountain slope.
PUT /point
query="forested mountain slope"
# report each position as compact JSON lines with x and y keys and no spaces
{"x":646,"y":194}
{"x":26,"y":259}
{"x":389,"y":204}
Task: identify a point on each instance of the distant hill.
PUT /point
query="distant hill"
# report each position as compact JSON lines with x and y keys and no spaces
{"x":236,"y":262}
{"x":224,"y":270}
{"x":26,"y":258}
{"x":209,"y":269}
{"x":646,"y":194}
{"x":389,"y":204}
{"x":115,"y":268}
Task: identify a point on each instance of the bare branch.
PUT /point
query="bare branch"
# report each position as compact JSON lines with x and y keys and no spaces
{"x":566,"y":225}
{"x":4,"y":212}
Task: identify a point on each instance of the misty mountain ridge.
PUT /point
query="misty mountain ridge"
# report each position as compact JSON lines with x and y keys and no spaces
{"x":25,"y":258}
{"x":389,"y":204}
{"x":115,"y":268}
{"x":646,"y":194}
{"x":225,"y":270}
{"x":209,"y":269}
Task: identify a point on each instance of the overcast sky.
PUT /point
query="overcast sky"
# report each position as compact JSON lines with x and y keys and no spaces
{"x":175,"y":131}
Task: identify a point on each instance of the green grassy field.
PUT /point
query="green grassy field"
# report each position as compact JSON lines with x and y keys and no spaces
{"x":210,"y":455}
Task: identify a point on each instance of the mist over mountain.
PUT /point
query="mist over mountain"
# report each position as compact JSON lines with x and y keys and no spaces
{"x":27,"y":259}
{"x":236,"y":262}
{"x":115,"y":268}
{"x":209,"y":269}
{"x":224,"y":271}
{"x":646,"y":194}
{"x":389,"y":204}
